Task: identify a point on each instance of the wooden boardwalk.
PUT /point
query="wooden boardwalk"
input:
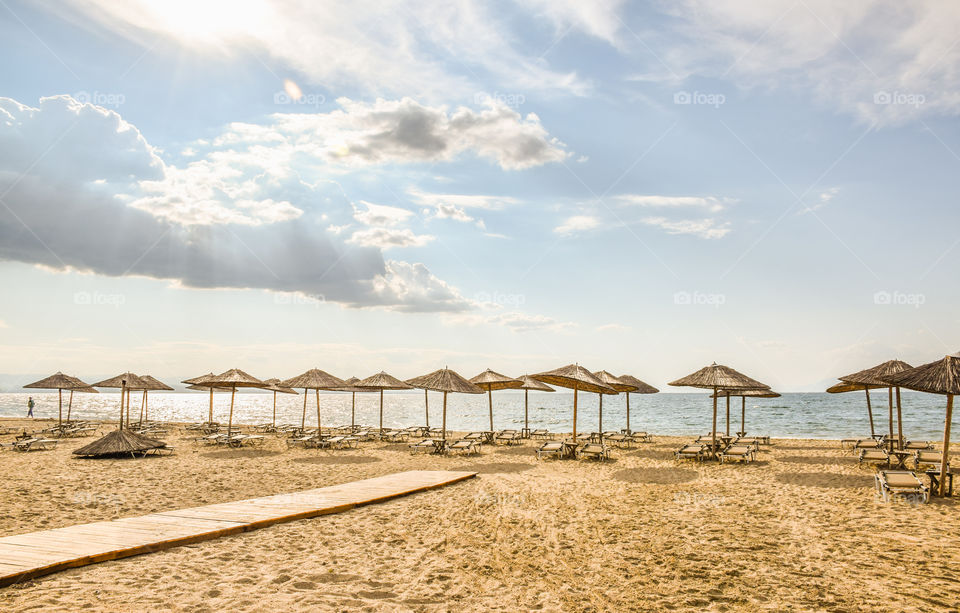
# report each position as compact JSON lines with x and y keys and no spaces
{"x":26,"y":556}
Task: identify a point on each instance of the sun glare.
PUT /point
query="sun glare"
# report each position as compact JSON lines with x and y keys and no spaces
{"x":207,"y":20}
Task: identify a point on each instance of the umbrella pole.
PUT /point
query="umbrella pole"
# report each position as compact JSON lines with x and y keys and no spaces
{"x":381,"y":411}
{"x":69,"y":405}
{"x":142,"y":402}
{"x":873,"y":433}
{"x":123,"y":392}
{"x":946,"y":445}
{"x":146,"y":407}
{"x":628,"y":413}
{"x":728,"y":414}
{"x":319,"y":427}
{"x":713,"y":433}
{"x":274,"y":423}
{"x":600,"y":420}
{"x":426,"y":406}
{"x":353,"y":410}
{"x":574,"y":414}
{"x":743,"y":415}
{"x":60,"y":400}
{"x":210,"y":415}
{"x":526,"y":412}
{"x":899,"y":421}
{"x":233,"y":393}
{"x":443,"y":433}
{"x":303,"y":417}
{"x":490,"y":403}
{"x":890,"y":409}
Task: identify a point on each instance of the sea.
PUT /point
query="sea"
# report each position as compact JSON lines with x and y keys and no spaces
{"x":793,"y":415}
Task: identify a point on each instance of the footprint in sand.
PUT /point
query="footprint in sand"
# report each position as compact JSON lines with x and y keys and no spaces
{"x":376,"y":594}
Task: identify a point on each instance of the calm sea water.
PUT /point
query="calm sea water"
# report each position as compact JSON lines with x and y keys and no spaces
{"x":801,"y":415}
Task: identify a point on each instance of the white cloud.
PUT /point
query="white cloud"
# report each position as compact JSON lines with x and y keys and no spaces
{"x":823,"y":199}
{"x":512,"y":320}
{"x":880,"y":60}
{"x":466,"y":201}
{"x":388,"y":238}
{"x":701,"y":228}
{"x":577,"y":223}
{"x":69,"y":171}
{"x":379,"y":47}
{"x":613,"y":328}
{"x":711,"y":203}
{"x":381,"y":215}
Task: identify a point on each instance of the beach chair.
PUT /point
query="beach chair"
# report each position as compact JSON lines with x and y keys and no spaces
{"x":904,"y":483}
{"x":640,"y":437}
{"x":911,"y":445}
{"x":509,"y":437}
{"x":597,"y":451}
{"x":551,"y":448}
{"x":465,"y":446}
{"x":866,"y":443}
{"x":691,"y":451}
{"x":752,"y":441}
{"x":165,"y":450}
{"x":540,"y":433}
{"x":738,"y":453}
{"x":617,"y":439}
{"x":395,"y":436}
{"x":928,"y":457}
{"x":874,"y":456}
{"x":427,"y":445}
{"x":35,"y":444}
{"x":475,"y":436}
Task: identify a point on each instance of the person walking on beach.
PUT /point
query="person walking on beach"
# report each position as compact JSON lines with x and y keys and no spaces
{"x":30,"y":406}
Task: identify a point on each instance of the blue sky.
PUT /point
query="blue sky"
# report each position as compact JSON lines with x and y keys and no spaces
{"x":640,"y":187}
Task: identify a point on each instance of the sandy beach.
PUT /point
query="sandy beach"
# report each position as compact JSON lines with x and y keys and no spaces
{"x":798,"y":530}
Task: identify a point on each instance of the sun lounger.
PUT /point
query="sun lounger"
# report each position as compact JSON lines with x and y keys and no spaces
{"x":738,"y":453}
{"x":427,"y":445}
{"x":165,"y":450}
{"x":866,"y":443}
{"x":874,"y":456}
{"x":691,"y":451}
{"x":617,"y":439}
{"x":35,"y":444}
{"x":918,"y":445}
{"x":640,"y":437}
{"x":475,"y":436}
{"x":342,"y":442}
{"x":465,"y":446}
{"x":751,"y":441}
{"x":540,"y":433}
{"x":928,"y":457}
{"x":554,"y":448}
{"x":509,"y":437}
{"x":597,"y":451}
{"x":901,"y":483}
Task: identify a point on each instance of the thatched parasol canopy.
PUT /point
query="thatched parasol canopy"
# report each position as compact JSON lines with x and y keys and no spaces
{"x":119,"y":443}
{"x":843,"y":387}
{"x":200,"y":383}
{"x":313,"y":379}
{"x":717,"y":377}
{"x":152,"y":384}
{"x":123,"y":381}
{"x":578,"y":379}
{"x":642,"y":388}
{"x":529,"y":383}
{"x":208,"y":388}
{"x":200,"y":380}
{"x":232,"y":379}
{"x":743,"y":394}
{"x":940,"y":377}
{"x":490,"y":381}
{"x":445,"y":381}
{"x":877,"y":376}
{"x":616,"y":383}
{"x":59,"y":381}
{"x":382,"y":381}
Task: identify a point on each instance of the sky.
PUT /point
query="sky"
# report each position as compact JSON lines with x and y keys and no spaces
{"x":645,"y":188}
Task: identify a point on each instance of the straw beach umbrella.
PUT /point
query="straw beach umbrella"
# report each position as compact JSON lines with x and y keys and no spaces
{"x":878,"y":376}
{"x":489,"y":381}
{"x":642,"y":388}
{"x":529,"y":383}
{"x":577,"y":378}
{"x":151,"y":385}
{"x":232,"y":379}
{"x":58,"y":381}
{"x":940,"y":377}
{"x":313,"y":379}
{"x":446,"y":381}
{"x":617,"y":384}
{"x":717,"y":377}
{"x":382,"y":381}
{"x":122,"y":381}
{"x":200,"y":383}
{"x":351,"y":386}
{"x":744,"y":394}
{"x":274,"y":386}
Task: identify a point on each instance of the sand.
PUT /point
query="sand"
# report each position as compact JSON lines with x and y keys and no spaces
{"x":798,"y":530}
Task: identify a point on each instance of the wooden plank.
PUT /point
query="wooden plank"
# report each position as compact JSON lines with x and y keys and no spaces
{"x":25,"y":556}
